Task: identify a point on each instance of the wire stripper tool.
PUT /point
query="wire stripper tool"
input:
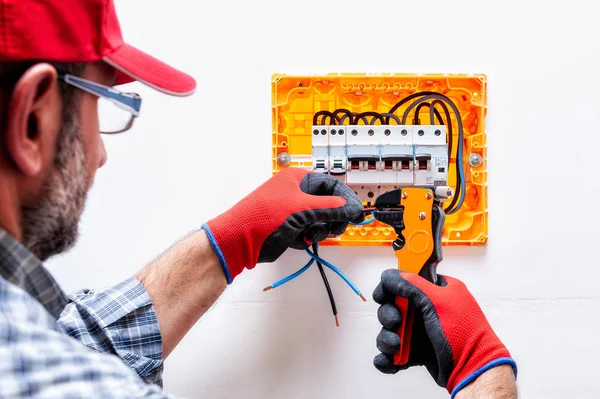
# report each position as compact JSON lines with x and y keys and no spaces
{"x":417,"y":217}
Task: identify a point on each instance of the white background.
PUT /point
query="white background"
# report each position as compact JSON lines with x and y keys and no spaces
{"x":189,"y":159}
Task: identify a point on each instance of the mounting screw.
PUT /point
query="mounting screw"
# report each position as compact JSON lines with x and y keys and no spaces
{"x":370,"y":194}
{"x":283,"y":159}
{"x":323,"y":132}
{"x":422,"y":215}
{"x":341,"y":131}
{"x":371,"y":132}
{"x":428,"y":195}
{"x":316,"y":131}
{"x":438,"y":132}
{"x":421,"y":132}
{"x":404,"y":196}
{"x":333,"y":132}
{"x":387,"y":132}
{"x":354,"y":132}
{"x":475,"y":160}
{"x":404,"y":132}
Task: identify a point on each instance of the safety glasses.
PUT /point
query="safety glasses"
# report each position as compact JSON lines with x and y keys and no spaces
{"x":116,"y":110}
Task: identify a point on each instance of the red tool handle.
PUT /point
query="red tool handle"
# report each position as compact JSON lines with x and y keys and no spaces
{"x":405,"y":330}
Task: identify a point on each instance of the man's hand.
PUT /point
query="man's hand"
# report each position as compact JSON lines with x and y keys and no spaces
{"x":288,"y":210}
{"x":451,"y":336}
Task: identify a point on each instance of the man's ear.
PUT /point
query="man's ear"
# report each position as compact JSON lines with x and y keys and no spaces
{"x":33,"y":119}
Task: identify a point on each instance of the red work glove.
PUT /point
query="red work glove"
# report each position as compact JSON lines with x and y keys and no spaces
{"x":451,"y":336}
{"x":291,"y":206}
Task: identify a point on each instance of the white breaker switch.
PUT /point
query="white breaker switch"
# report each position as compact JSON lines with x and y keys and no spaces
{"x":364,"y":160}
{"x":374,"y":159}
{"x":337,"y":150}
{"x":320,"y":149}
{"x":397,"y":157}
{"x":431,"y":155}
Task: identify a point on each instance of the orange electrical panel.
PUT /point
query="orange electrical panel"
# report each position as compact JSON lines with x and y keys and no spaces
{"x":296,"y":99}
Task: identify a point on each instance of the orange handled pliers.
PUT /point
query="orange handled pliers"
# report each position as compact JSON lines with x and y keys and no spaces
{"x":418,"y":219}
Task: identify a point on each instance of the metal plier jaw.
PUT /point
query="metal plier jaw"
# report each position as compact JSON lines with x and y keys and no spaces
{"x":417,"y":216}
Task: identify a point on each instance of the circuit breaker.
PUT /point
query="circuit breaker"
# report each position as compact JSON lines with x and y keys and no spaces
{"x":374,"y":159}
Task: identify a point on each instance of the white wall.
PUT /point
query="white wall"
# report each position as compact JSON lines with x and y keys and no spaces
{"x":189,"y":159}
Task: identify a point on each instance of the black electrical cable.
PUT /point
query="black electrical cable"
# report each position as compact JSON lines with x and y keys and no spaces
{"x":452,"y":208}
{"x":332,"y":119}
{"x":368,"y":113}
{"x":364,"y":118}
{"x":325,"y":114}
{"x":417,"y":121}
{"x":327,"y":287}
{"x":407,"y":99}
{"x":448,"y":124}
{"x":392,"y":116}
{"x":347,"y":114}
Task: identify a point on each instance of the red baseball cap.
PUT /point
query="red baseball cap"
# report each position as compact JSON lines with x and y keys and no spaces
{"x":81,"y":31}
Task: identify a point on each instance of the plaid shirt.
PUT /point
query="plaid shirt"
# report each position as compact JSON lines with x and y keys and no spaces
{"x":103,"y":343}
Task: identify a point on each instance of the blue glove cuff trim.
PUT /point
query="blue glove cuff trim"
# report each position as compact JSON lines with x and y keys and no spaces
{"x":213,"y":242}
{"x":492,"y":364}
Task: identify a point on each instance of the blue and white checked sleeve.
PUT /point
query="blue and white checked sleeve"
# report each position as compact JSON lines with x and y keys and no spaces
{"x":119,"y":320}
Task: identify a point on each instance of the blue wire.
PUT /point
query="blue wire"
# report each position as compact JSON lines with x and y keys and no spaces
{"x":335,"y":269}
{"x":294,"y":275}
{"x":366,"y":221}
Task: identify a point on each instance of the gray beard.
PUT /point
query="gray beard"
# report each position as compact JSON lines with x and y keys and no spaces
{"x":50,"y":224}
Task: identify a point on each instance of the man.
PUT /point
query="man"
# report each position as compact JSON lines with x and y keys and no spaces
{"x":59,"y":62}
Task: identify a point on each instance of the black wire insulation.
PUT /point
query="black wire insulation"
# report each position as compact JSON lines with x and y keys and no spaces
{"x":448,"y":123}
{"x":325,"y":281}
{"x":352,"y":115}
{"x":347,"y":114}
{"x":405,"y":100}
{"x":437,"y":114}
{"x":324,"y":114}
{"x":368,"y":113}
{"x":392,"y":116}
{"x":332,"y":119}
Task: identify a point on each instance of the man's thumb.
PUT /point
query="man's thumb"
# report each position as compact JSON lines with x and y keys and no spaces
{"x":406,"y":285}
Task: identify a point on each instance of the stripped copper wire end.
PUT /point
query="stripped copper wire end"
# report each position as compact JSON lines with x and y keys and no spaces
{"x":267,"y":288}
{"x":363,"y":297}
{"x":337,"y":321}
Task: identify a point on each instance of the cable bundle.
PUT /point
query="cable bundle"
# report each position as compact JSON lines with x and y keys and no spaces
{"x":314,"y":257}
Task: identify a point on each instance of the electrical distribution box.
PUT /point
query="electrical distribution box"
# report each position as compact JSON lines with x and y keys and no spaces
{"x":341,"y":124}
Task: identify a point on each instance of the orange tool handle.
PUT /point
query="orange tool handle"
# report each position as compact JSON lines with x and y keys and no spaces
{"x":405,"y":331}
{"x":415,"y":255}
{"x":418,"y":221}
